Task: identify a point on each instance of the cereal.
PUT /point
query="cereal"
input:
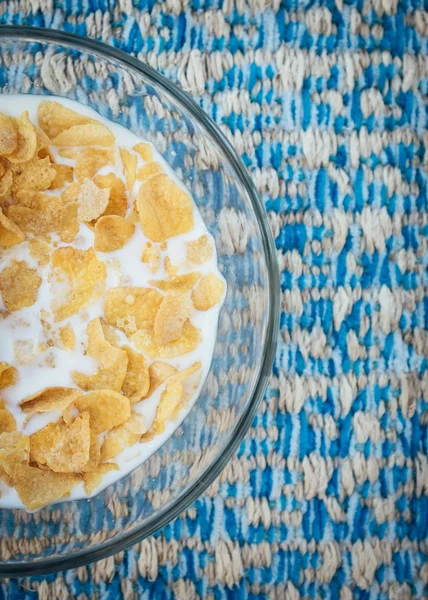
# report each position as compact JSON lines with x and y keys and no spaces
{"x":149,"y":169}
{"x":144,"y":150}
{"x":131,"y":308}
{"x":8,"y":375}
{"x":92,"y":201}
{"x":91,"y":134}
{"x":63,"y":175}
{"x":69,"y":223}
{"x":107,"y":409}
{"x":165,"y":210}
{"x":54,"y":118}
{"x":5,"y":187}
{"x":67,"y":337}
{"x":208,"y":292}
{"x":130,"y":166}
{"x":80,"y":278}
{"x":180,"y":283}
{"x":199,"y":251}
{"x":145,"y":341}
{"x":123,"y":436}
{"x":39,"y":250}
{"x":10,"y":234}
{"x":27,"y":140}
{"x":19,"y":285}
{"x":118,"y":199}
{"x":137,"y":381}
{"x":112,"y":362}
{"x":92,"y":480}
{"x":94,"y":454}
{"x":36,"y":212}
{"x":7,"y":420}
{"x":54,"y":398}
{"x":90,"y":161}
{"x":36,"y":174}
{"x":71,"y":193}
{"x":151,"y":257}
{"x":8,"y":135}
{"x":14,"y":450}
{"x":175,"y":310}
{"x":158,"y":373}
{"x":38,"y":487}
{"x":112,"y":232}
{"x":61,"y":447}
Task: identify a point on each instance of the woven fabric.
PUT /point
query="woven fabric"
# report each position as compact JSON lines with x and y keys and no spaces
{"x":326,"y":102}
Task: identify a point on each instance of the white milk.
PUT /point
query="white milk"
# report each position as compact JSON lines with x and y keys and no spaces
{"x":54,"y":366}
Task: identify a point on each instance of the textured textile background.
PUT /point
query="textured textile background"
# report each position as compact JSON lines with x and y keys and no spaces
{"x":327,"y":104}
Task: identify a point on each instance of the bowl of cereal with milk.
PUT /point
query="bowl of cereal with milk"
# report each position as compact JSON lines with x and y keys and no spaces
{"x":138,"y":300}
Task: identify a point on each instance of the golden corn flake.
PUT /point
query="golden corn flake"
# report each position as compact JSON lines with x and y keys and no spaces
{"x":110,"y":334}
{"x":39,"y":250}
{"x":136,"y":383}
{"x":94,"y":479}
{"x":10,"y":234}
{"x":112,"y":232}
{"x":159,"y":372}
{"x":145,"y":341}
{"x":107,"y":409}
{"x":112,"y":362}
{"x":5,"y":187}
{"x":43,"y":143}
{"x":36,"y":212}
{"x":14,"y":450}
{"x":69,"y":223}
{"x":144,"y":150}
{"x":71,"y":193}
{"x":36,"y":174}
{"x":179,"y":283}
{"x":149,"y":169}
{"x":151,"y":257}
{"x":208,"y":292}
{"x":131,"y":308}
{"x":7,"y":375}
{"x":37,"y":487}
{"x":175,"y":310}
{"x":90,"y":134}
{"x":168,"y":404}
{"x":67,"y":337}
{"x":130,"y":166}
{"x":8,"y":135}
{"x":199,"y":251}
{"x":7,"y":420}
{"x":63,"y":175}
{"x":94,"y":454}
{"x":90,"y":161}
{"x":61,"y":447}
{"x":27,"y":140}
{"x":118,"y":199}
{"x":54,"y":118}
{"x":92,"y":201}
{"x":164,"y":209}
{"x":54,"y":398}
{"x":78,"y":278}
{"x":123,"y":436}
{"x":19,"y":285}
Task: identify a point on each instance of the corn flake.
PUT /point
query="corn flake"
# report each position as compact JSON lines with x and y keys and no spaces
{"x":131,"y":308}
{"x":80,"y":278}
{"x":36,"y":212}
{"x":175,"y":310}
{"x":179,"y":283}
{"x":144,"y":150}
{"x":130,"y":166}
{"x":159,"y":372}
{"x":107,"y":409}
{"x":7,"y":420}
{"x":71,"y":193}
{"x":39,"y":250}
{"x":68,"y":338}
{"x":199,"y":251}
{"x":92,"y":201}
{"x":90,"y":134}
{"x":61,"y":447}
{"x":165,"y":210}
{"x":8,"y":135}
{"x":123,"y":436}
{"x":94,"y":454}
{"x":151,"y":257}
{"x":10,"y":234}
{"x":5,"y":187}
{"x":112,"y":362}
{"x":136,"y":383}
{"x":7,"y":375}
{"x":69,"y":223}
{"x":208,"y":292}
{"x":145,"y":341}
{"x":37,"y":487}
{"x":112,"y":233}
{"x":54,"y":118}
{"x":36,"y":174}
{"x":53,"y":398}
{"x":93,"y":480}
{"x":118,"y":199}
{"x":149,"y":169}
{"x":14,"y":450}
{"x":19,"y":285}
{"x":63,"y":175}
{"x":27,"y":140}
{"x":90,"y":161}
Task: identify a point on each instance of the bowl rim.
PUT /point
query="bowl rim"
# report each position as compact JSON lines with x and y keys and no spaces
{"x":122,"y":541}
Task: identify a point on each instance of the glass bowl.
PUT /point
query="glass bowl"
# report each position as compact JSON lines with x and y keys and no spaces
{"x":121,"y":88}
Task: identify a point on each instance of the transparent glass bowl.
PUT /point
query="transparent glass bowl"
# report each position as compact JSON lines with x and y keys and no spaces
{"x":119,"y":87}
